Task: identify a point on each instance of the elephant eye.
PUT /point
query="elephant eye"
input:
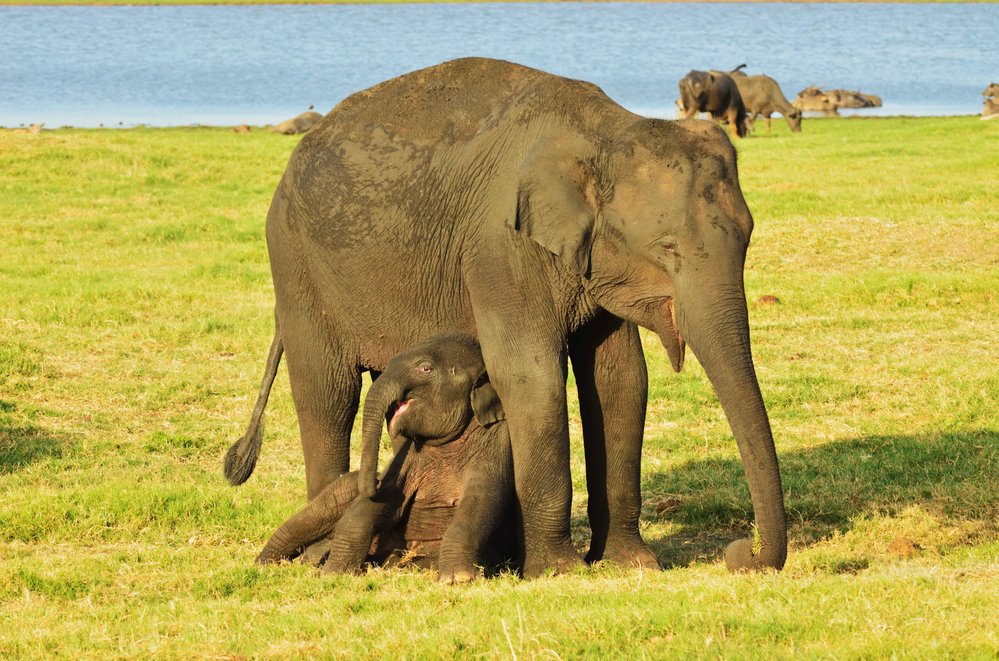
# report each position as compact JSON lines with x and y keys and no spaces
{"x":425,"y":369}
{"x":668,"y":248}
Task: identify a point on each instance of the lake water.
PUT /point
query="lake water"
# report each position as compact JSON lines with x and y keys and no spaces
{"x":87,"y":66}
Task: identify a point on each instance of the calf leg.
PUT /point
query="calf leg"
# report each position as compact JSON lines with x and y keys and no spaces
{"x":366,"y":517}
{"x":314,"y":522}
{"x":485,"y":498}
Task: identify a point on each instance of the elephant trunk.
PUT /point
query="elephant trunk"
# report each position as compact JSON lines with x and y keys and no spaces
{"x":312,"y":523}
{"x":383,"y":397}
{"x":721,"y":344}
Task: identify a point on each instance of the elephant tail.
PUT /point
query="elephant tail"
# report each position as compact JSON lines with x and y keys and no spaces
{"x":242,"y":456}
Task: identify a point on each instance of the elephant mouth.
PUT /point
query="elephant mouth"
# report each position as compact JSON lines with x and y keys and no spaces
{"x":395,"y":412}
{"x":670,"y":336}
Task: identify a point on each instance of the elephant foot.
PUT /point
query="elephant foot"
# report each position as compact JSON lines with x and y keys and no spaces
{"x":629,"y":552}
{"x":315,"y":554}
{"x":457,"y":574}
{"x":561,"y":559}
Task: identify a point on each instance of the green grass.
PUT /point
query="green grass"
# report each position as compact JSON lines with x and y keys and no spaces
{"x":135,"y":314}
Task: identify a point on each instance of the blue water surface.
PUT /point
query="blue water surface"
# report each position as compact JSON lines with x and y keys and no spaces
{"x":90,"y":66}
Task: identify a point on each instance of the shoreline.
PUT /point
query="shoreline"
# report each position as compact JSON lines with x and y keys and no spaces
{"x":263,"y":128}
{"x":254,"y":3}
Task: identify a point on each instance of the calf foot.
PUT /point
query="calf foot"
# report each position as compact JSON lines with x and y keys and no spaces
{"x":315,"y":554}
{"x":337,"y":564}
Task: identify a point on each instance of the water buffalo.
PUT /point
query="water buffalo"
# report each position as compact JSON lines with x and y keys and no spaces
{"x":299,"y":124}
{"x":830,"y":101}
{"x":813,"y":99}
{"x":714,"y":92}
{"x":990,"y":108}
{"x":761,"y":95}
{"x":853,"y":99}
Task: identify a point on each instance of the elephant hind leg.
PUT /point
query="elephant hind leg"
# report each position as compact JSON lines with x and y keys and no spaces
{"x":314,"y":522}
{"x":326,"y":385}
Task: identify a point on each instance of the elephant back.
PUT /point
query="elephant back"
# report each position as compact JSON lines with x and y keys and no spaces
{"x":452,"y":100}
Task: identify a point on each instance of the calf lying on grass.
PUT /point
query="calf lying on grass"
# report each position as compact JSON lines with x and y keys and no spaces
{"x":444,"y":498}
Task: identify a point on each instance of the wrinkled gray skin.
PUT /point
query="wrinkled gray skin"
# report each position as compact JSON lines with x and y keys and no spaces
{"x":447,"y":489}
{"x":714,"y":92}
{"x":536,"y":214}
{"x":761,"y":95}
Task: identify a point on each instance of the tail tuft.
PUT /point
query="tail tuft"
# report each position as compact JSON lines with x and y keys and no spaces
{"x":241,"y":458}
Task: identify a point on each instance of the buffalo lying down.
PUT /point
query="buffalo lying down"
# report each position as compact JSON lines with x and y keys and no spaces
{"x":816,"y":99}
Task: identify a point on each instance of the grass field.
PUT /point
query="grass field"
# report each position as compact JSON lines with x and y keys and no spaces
{"x":135,"y":313}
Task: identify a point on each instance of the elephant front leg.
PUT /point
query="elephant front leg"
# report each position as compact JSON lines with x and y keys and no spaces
{"x":612,"y":381}
{"x":523,"y":345}
{"x":539,"y":433}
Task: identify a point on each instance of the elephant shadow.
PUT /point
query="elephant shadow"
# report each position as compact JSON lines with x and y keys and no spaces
{"x":951,"y":475}
{"x":22,"y":445}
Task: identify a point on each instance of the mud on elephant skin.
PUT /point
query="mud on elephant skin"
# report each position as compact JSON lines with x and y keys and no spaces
{"x":448,"y":491}
{"x":537,"y":214}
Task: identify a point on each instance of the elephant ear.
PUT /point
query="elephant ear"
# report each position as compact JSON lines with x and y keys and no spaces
{"x":558,"y":199}
{"x":485,"y":402}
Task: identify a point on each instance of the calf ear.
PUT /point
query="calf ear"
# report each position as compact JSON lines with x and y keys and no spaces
{"x":557,"y":199}
{"x":485,"y":402}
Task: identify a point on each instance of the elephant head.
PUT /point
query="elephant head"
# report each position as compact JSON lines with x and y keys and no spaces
{"x":655,"y":223}
{"x":429,"y":394}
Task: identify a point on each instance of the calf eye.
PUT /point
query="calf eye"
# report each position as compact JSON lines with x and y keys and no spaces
{"x":425,"y":369}
{"x":668,"y":248}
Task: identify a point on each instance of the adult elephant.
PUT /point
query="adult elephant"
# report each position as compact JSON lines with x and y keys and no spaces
{"x":538,"y":215}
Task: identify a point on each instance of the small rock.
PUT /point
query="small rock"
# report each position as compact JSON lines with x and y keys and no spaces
{"x":767,"y":299}
{"x":242,"y":128}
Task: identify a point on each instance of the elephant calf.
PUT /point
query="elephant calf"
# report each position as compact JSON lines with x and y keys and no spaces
{"x":447,"y":490}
